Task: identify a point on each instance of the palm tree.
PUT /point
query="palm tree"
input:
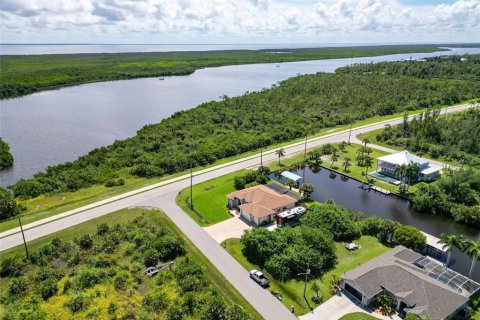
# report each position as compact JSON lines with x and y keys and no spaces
{"x":334,"y":159}
{"x":450,"y":241}
{"x":346,"y":163}
{"x":291,"y":183}
{"x":306,"y":190}
{"x":401,"y":172}
{"x":315,"y":156}
{"x":368,"y":162}
{"x":366,"y":141}
{"x":342,"y":146}
{"x":472,"y":248}
{"x":280,"y":153}
{"x":411,"y":172}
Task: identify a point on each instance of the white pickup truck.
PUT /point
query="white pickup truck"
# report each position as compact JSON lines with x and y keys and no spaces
{"x":259,"y":278}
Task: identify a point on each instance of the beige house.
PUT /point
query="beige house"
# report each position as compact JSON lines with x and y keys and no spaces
{"x":259,"y":204}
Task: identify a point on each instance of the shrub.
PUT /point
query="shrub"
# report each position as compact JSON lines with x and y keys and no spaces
{"x":239,"y":183}
{"x":85,"y":241}
{"x":121,"y":279}
{"x":18,"y":286}
{"x":103,"y":228}
{"x":12,"y":266}
{"x":150,"y":257}
{"x":156,"y":301}
{"x":8,"y":205}
{"x":87,"y":278}
{"x":48,"y":288}
{"x":77,"y":303}
{"x":410,"y":237}
{"x":27,"y":188}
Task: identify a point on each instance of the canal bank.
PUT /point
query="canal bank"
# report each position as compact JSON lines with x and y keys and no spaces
{"x":348,"y":192}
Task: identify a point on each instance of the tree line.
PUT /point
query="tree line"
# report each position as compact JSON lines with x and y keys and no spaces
{"x":25,"y":74}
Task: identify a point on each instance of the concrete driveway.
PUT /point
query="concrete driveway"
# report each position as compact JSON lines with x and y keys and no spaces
{"x":338,"y":306}
{"x":231,"y":228}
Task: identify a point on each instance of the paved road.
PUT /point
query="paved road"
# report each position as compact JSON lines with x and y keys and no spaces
{"x":162,"y":195}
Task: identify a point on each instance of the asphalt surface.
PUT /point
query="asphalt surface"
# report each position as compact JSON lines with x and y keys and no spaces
{"x":162,"y":196}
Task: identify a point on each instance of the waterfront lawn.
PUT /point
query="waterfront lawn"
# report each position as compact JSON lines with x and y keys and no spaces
{"x":292,"y":291}
{"x":355,"y":170}
{"x":153,"y":217}
{"x":358,"y":316}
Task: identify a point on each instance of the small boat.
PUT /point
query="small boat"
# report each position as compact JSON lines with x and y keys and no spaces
{"x":161,"y":78}
{"x":278,"y":66}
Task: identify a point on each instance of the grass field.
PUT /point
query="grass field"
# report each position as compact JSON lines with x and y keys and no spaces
{"x":358,"y":316}
{"x":49,"y":205}
{"x":292,"y":291}
{"x":157,"y":218}
{"x":24,"y":74}
{"x":355,"y":170}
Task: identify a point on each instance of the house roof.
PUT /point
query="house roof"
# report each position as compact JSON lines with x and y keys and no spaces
{"x":430,"y":169}
{"x":291,"y":175}
{"x":395,"y":272}
{"x":260,"y":200}
{"x":403,"y":157}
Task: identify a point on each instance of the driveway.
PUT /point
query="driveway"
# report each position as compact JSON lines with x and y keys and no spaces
{"x":231,"y":228}
{"x":338,"y":306}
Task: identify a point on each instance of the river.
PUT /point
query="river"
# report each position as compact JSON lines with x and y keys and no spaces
{"x":348,"y":193}
{"x":51,"y":127}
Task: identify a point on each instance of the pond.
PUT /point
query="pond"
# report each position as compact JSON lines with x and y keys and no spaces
{"x":349,"y":193}
{"x":52,"y":127}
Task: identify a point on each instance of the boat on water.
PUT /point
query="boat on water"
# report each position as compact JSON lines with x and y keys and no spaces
{"x":161,"y":78}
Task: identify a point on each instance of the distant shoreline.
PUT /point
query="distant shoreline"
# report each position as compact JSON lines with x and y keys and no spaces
{"x":26,"y":74}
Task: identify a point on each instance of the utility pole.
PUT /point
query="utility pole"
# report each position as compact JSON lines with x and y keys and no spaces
{"x":23,"y":235}
{"x":305,"y":151}
{"x":261,"y":157}
{"x":306,"y":274}
{"x":191,"y":186}
{"x":350,"y":133}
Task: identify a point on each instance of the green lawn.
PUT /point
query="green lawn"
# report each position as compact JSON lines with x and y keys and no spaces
{"x":155,"y":217}
{"x":46,"y":206}
{"x":358,"y":316}
{"x":292,"y":291}
{"x":355,"y":170}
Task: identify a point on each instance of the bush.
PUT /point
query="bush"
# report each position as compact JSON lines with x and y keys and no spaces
{"x":8,"y":205}
{"x":18,"y":286}
{"x":156,"y":301}
{"x":410,"y":237}
{"x":150,"y":257}
{"x":103,"y":228}
{"x":169,"y":247}
{"x":279,"y":267}
{"x":114,"y":183}
{"x":77,"y":303}
{"x":335,"y":219}
{"x":85,"y":242}
{"x":147,"y":171}
{"x":239,"y":183}
{"x":121,"y":279}
{"x":12,"y":266}
{"x":87,"y":278}
{"x":48,"y":288}
{"x":27,"y":188}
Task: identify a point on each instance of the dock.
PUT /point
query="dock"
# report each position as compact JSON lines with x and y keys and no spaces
{"x":378,"y":189}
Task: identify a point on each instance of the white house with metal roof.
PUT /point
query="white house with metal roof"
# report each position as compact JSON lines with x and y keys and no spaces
{"x":386,"y":165}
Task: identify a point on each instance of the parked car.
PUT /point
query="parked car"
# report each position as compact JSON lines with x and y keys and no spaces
{"x":259,"y":278}
{"x":151,"y":271}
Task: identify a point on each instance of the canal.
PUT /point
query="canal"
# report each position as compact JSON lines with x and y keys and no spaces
{"x":349,"y":193}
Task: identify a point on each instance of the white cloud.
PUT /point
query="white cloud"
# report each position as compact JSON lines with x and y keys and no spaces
{"x":157,"y":21}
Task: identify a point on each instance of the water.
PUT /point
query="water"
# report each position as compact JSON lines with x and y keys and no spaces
{"x":23,"y":49}
{"x":348,"y":193}
{"x":51,"y":127}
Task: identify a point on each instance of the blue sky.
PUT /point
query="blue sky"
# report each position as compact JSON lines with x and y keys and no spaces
{"x":239,"y":21}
